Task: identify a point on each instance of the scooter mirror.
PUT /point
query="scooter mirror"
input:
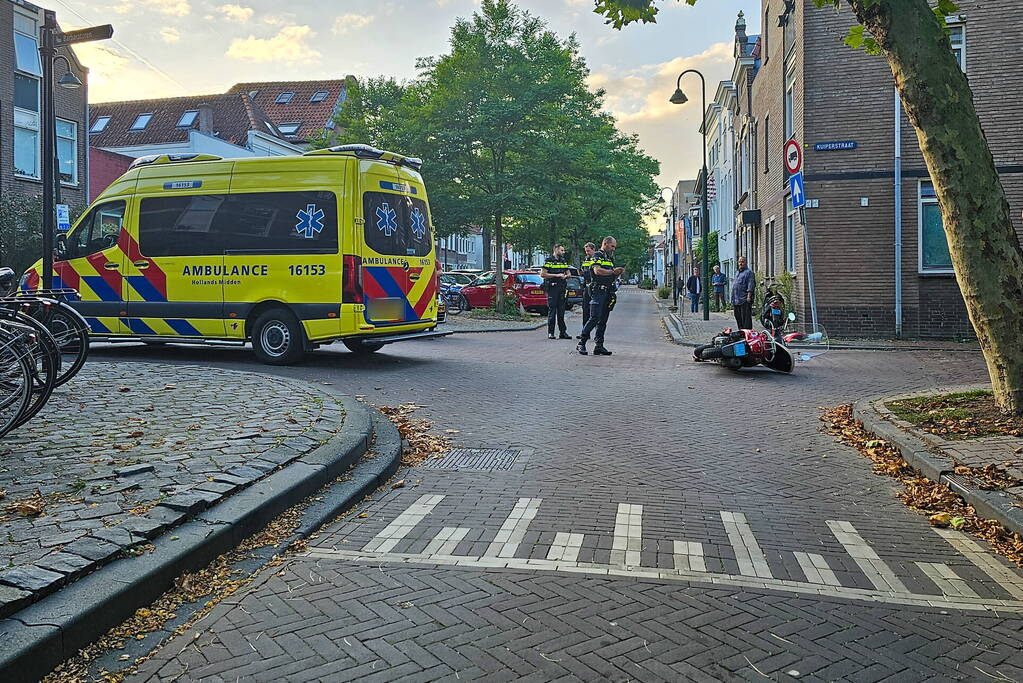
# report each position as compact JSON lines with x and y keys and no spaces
{"x":792,"y":316}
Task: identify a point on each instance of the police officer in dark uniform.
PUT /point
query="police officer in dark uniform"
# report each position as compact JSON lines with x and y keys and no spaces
{"x":555,"y":273}
{"x":604,"y":273}
{"x":587,"y":264}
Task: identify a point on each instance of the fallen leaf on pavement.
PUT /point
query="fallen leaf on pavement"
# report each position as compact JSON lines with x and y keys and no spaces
{"x":363,"y":516}
{"x":122,"y":389}
{"x":452,"y":431}
{"x":941,"y":519}
{"x":398,"y":484}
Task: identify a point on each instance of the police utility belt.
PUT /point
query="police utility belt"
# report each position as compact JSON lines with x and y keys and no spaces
{"x":601,"y":287}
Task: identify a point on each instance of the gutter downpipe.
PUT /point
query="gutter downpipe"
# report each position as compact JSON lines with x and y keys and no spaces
{"x":898,"y":214}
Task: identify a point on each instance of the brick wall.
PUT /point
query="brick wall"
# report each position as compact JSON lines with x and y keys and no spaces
{"x":104,"y":168}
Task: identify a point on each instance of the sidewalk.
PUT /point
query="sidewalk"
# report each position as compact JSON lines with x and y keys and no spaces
{"x":964,"y":465}
{"x":464,"y":323}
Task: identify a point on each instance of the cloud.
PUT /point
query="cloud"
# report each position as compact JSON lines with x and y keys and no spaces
{"x":176,"y":8}
{"x":236,"y":12}
{"x":169,"y":35}
{"x":351,"y":22}
{"x":289,"y":45}
{"x":638,"y":98}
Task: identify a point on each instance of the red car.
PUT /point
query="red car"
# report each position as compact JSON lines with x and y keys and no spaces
{"x":524,"y":284}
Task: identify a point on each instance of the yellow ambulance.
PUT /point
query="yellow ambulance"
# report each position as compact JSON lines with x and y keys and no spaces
{"x":287,"y":253}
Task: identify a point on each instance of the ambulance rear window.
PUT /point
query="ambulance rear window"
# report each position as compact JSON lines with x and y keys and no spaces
{"x":397,"y":225}
{"x":262,"y":222}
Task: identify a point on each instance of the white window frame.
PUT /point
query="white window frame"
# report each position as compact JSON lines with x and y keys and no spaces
{"x":97,"y":127}
{"x":790,"y":236}
{"x":284,"y":97}
{"x":316,"y":96}
{"x":136,"y":127}
{"x":959,"y":25}
{"x":291,"y":124}
{"x":790,"y":102}
{"x":181,"y":121}
{"x":74,"y":176}
{"x":33,"y":127}
{"x":34,"y":35}
{"x":921,"y":201}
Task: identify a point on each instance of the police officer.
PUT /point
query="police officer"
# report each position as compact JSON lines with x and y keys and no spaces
{"x":554,"y":273}
{"x":587,"y":264}
{"x":604,"y":272}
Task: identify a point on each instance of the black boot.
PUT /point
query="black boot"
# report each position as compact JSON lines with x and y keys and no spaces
{"x":581,"y":348}
{"x":601,"y":351}
{"x":564,"y":335}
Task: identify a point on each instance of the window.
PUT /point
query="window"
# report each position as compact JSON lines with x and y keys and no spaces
{"x":284,"y":97}
{"x":26,"y":143}
{"x":770,"y":249}
{"x":26,"y":93}
{"x":99,"y":230}
{"x":767,"y":143}
{"x":100,"y":125}
{"x":790,"y":104}
{"x":258,"y":222}
{"x":26,"y":46}
{"x":67,"y":151}
{"x":187,"y":119}
{"x":789,"y":28}
{"x":485,"y":279}
{"x":529,"y":279}
{"x":744,"y":168}
{"x":319,"y":96}
{"x":396,"y":225}
{"x":141,"y":122}
{"x":957,"y":35}
{"x":790,"y":236}
{"x":289,"y":128}
{"x":934,"y":256}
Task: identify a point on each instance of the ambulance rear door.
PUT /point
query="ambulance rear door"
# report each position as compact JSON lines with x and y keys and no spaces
{"x":385,"y":264}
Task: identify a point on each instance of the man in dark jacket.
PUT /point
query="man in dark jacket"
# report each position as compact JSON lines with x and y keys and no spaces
{"x":694,"y":287}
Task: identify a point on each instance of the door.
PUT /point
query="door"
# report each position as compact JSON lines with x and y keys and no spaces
{"x":92,"y":262}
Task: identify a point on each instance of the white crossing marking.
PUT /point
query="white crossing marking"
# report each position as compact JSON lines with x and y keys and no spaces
{"x":565,"y":547}
{"x":752,"y":561}
{"x":689,"y":556}
{"x":514,"y":528}
{"x":816,"y":569}
{"x":879,"y":573}
{"x":948,"y":582}
{"x":1005,"y":577}
{"x":404,"y":523}
{"x":445,"y":541}
{"x":628,"y":537}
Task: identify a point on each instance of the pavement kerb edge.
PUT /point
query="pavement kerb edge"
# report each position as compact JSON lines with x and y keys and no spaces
{"x":919,"y":453}
{"x":502,"y":329}
{"x":44,"y":634}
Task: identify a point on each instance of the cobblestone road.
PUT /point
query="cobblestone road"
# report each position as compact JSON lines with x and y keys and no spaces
{"x":673,"y":522}
{"x":121,"y":437}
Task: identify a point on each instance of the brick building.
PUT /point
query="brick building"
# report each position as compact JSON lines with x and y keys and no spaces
{"x":841,"y":105}
{"x":21,"y":110}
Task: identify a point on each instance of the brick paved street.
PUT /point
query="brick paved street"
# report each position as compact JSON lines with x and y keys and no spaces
{"x":673,"y":522}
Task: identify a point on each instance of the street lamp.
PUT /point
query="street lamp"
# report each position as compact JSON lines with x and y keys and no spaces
{"x":668,"y":195}
{"x":679,"y":97}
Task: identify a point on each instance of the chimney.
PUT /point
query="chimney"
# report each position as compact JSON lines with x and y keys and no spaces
{"x":740,"y":35}
{"x":206,"y":119}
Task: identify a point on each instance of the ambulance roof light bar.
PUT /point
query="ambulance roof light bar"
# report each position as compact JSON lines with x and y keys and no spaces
{"x":150,"y":159}
{"x":362,"y":151}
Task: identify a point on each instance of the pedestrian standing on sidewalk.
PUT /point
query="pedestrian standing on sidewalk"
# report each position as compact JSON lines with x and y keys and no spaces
{"x":586,"y":266}
{"x":718,"y":281}
{"x":604,"y":274}
{"x":694,"y":287}
{"x":554,"y":273}
{"x":742,"y":296}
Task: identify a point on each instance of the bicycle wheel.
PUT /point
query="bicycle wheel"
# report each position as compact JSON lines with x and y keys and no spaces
{"x":71,"y":333}
{"x":45,"y":364}
{"x":454,"y":304}
{"x":15,"y":378}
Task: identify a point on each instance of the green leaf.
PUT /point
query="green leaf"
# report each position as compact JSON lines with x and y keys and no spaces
{"x":855,"y":37}
{"x":957,"y":522}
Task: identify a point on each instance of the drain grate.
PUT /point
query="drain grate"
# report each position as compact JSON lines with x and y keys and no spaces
{"x":481,"y":460}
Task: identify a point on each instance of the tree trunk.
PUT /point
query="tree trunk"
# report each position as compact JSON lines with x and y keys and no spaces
{"x":486,"y":250}
{"x":499,"y":266}
{"x":985,"y":249}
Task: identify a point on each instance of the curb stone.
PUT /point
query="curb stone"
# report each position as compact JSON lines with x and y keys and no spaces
{"x":919,"y":452}
{"x":41,"y":636}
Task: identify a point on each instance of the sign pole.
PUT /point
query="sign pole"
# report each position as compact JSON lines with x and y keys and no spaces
{"x":47,"y":51}
{"x":809,"y":268}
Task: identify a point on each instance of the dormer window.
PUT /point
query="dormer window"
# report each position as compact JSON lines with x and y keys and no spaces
{"x":141,"y":122}
{"x":289,"y":128}
{"x":319,"y":96}
{"x":284,"y":97}
{"x":187,"y":119}
{"x":100,"y":125}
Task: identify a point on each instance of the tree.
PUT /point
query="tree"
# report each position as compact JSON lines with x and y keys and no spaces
{"x":985,"y":249}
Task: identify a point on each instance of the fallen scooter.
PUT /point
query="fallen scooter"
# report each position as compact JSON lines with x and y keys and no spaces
{"x":737,"y":349}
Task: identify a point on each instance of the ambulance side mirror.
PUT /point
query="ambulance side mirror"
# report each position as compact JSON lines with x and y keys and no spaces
{"x":60,"y":246}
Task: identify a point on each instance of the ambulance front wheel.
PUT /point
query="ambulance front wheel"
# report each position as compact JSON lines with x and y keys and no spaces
{"x":278,"y":337}
{"x":362,"y":346}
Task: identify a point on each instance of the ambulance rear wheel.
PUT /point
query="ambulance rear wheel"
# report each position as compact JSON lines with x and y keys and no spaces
{"x":278,"y":337}
{"x":362,"y":346}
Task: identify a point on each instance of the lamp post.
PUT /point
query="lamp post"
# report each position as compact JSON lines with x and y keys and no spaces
{"x":668,"y":195}
{"x":679,"y":97}
{"x":51,"y":38}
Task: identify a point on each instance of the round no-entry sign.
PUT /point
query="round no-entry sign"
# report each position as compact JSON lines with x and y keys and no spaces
{"x":793,"y":156}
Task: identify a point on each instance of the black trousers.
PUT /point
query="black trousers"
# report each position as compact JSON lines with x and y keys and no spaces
{"x":556,"y":299}
{"x":743,"y":315}
{"x":586,"y":303}
{"x":598,"y":318}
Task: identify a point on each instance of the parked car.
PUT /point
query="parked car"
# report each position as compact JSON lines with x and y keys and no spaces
{"x":452,"y":278}
{"x":524,"y":284}
{"x":575,"y":291}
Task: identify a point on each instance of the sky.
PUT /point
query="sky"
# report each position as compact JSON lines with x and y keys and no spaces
{"x":164,"y":48}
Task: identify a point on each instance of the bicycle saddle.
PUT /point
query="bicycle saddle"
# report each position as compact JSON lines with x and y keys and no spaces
{"x":8,"y":281}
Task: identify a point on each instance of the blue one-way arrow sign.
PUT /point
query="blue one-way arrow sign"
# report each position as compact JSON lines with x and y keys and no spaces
{"x":796,"y":189}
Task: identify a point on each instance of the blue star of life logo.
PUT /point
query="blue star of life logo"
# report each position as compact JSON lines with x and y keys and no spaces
{"x":418,"y":223}
{"x":386,"y":219}
{"x":310,"y":221}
